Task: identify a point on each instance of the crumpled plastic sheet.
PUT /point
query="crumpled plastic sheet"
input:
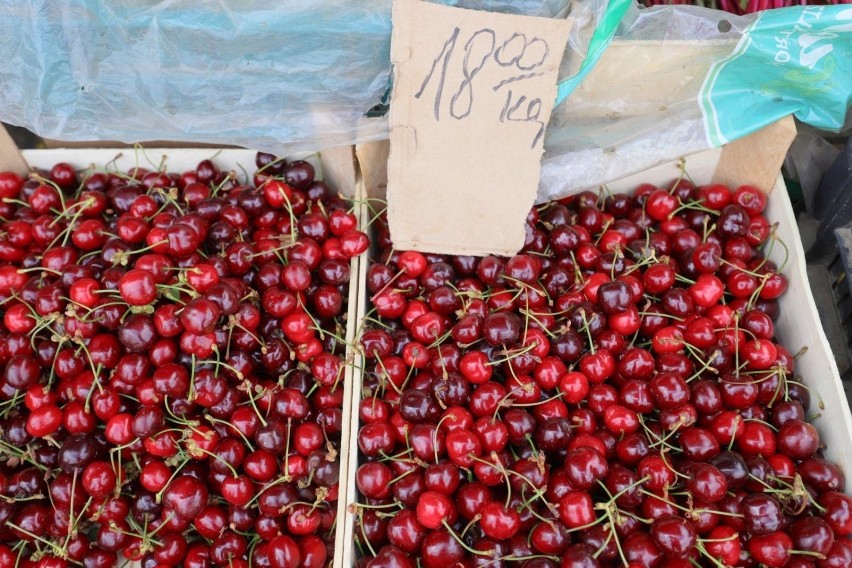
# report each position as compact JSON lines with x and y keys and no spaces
{"x":282,"y":77}
{"x":304,"y":75}
{"x":234,"y":72}
{"x":602,"y":133}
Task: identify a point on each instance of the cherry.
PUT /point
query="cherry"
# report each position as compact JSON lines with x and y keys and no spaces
{"x":797,"y":439}
{"x":440,"y":548}
{"x":757,"y":440}
{"x":762,"y":514}
{"x":707,"y":483}
{"x":598,"y":366}
{"x":44,"y":421}
{"x":405,"y":532}
{"x":723,"y":543}
{"x":838,"y":512}
{"x":186,"y":496}
{"x":199,"y":316}
{"x":501,"y":328}
{"x":76,"y":452}
{"x":99,"y":479}
{"x":579,"y":556}
{"x":771,"y":549}
{"x":821,"y":475}
{"x":675,"y":536}
{"x":660,"y":205}
{"x":614,"y":296}
{"x":670,"y":391}
{"x":137,"y":287}
{"x":237,"y":490}
{"x":640,"y":549}
{"x":812,"y":534}
{"x":373,"y":480}
{"x":433,"y":509}
{"x":576,"y":509}
{"x":498,"y":521}
{"x":839,"y":555}
{"x":284,"y":552}
{"x":547,"y":538}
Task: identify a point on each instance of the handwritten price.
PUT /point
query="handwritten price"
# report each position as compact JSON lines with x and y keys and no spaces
{"x":518,"y":53}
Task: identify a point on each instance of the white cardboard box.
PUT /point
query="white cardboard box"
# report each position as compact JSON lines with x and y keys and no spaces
{"x":238,"y":160}
{"x":798,"y":325}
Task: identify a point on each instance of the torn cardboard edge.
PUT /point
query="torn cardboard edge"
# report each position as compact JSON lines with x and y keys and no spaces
{"x":756,"y":159}
{"x":372,"y":158}
{"x":472,"y":96}
{"x":11,"y":159}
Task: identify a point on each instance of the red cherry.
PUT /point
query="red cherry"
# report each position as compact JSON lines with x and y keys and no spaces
{"x":660,"y":205}
{"x":137,"y":287}
{"x":772,"y":549}
{"x":675,"y":536}
{"x":498,"y":521}
{"x":434,"y":509}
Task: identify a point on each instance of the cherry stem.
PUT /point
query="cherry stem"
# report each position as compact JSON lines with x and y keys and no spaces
{"x":462,"y":543}
{"x":588,"y":330}
{"x":703,"y":551}
{"x":234,"y":428}
{"x":509,"y":355}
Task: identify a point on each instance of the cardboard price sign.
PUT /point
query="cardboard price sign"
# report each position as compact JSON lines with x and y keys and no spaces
{"x":472,"y":96}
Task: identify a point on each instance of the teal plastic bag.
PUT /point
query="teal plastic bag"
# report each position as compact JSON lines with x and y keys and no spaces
{"x":795,"y":61}
{"x":681,"y":79}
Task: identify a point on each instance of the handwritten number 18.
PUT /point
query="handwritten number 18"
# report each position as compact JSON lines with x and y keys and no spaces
{"x":516,"y":51}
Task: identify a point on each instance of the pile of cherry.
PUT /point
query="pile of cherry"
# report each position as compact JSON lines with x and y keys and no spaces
{"x":172,"y":353}
{"x":613,"y":395}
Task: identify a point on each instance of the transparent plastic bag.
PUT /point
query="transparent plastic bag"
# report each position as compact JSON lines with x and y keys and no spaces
{"x":680,"y":79}
{"x":282,"y":77}
{"x":304,"y":75}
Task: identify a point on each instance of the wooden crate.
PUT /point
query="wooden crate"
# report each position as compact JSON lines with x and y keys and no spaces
{"x":798,"y":324}
{"x":239,"y":161}
{"x":797,"y":328}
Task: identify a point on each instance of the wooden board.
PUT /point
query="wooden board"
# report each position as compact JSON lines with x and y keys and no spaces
{"x":347,"y":522}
